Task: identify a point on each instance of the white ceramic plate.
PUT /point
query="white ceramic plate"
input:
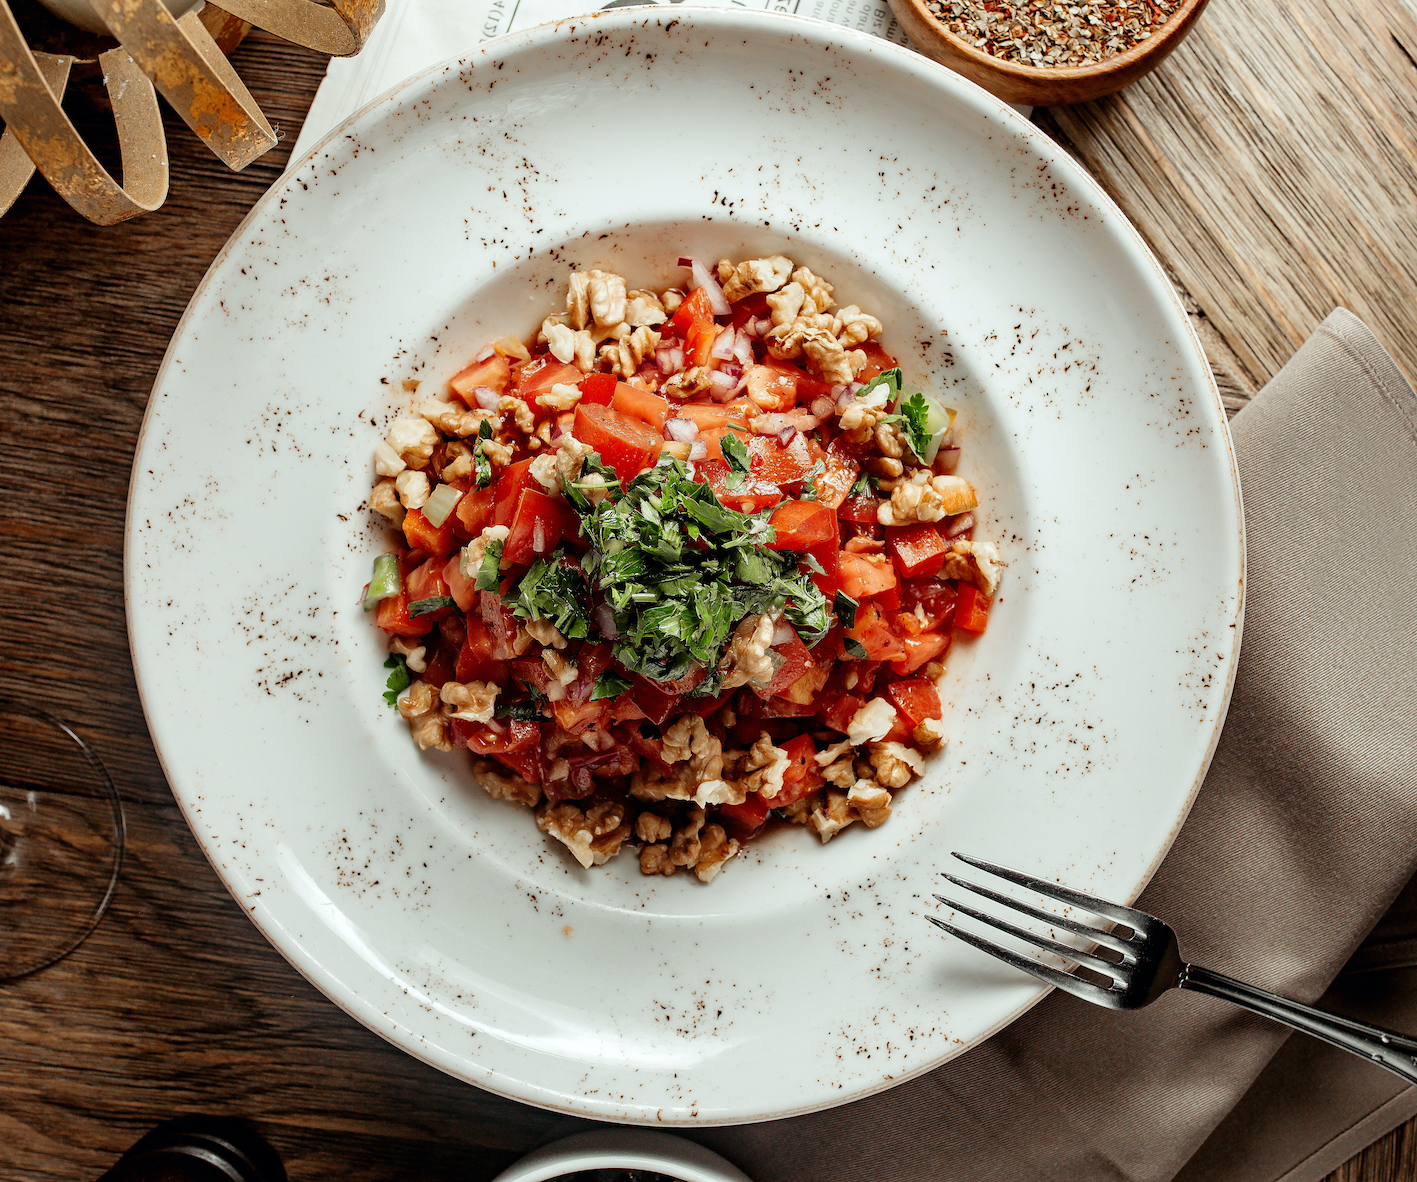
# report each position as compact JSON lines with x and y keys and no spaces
{"x":448,"y":213}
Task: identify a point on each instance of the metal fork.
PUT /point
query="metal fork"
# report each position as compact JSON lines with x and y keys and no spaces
{"x":1146,"y":963}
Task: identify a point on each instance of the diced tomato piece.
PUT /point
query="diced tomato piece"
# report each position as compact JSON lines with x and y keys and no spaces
{"x":640,"y":404}
{"x":750,"y":307}
{"x":651,"y":751}
{"x":769,"y":459}
{"x":839,"y":473}
{"x":928,"y":646}
{"x":475,"y":659}
{"x":917,"y":699}
{"x":877,"y":361}
{"x":808,"y":388}
{"x":657,"y":702}
{"x":501,"y":624}
{"x":537,"y":527}
{"x":865,"y":575}
{"x":748,"y":730}
{"x":751,"y":496}
{"x":527,"y":763}
{"x":483,"y":738}
{"x":838,"y":709}
{"x":888,"y":600}
{"x":744,"y":820}
{"x":804,"y":690}
{"x":971,"y":609}
{"x":627,"y":445}
{"x":539,"y":374}
{"x":586,"y":767}
{"x":474,"y":512}
{"x":828,"y":579}
{"x":494,"y":373}
{"x":935,"y":599}
{"x":796,"y":660}
{"x":438,"y":667}
{"x":625,"y":709}
{"x":874,"y":634}
{"x":692,"y":704}
{"x":916,"y":549}
{"x":803,"y":774}
{"x":394,"y":619}
{"x":515,"y":480}
{"x":423,"y":535}
{"x":715,"y":420}
{"x":598,"y":388}
{"x":749,"y":705}
{"x":427,"y":582}
{"x":693,"y":321}
{"x":860,"y":509}
{"x":575,"y":719}
{"x":800,"y":525}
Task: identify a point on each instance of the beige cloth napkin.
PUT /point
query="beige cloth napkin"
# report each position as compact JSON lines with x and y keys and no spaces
{"x":1301,"y":840}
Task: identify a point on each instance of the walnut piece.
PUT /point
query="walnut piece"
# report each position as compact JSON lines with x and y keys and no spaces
{"x":766,"y":766}
{"x":930,"y":734}
{"x":457,"y":462}
{"x":384,"y":499}
{"x":452,"y":418}
{"x":896,"y":764}
{"x":499,"y":784}
{"x":470,"y":560}
{"x":413,"y":488}
{"x":625,"y":353}
{"x":413,"y":440}
{"x":654,"y":859}
{"x":643,"y":308}
{"x":715,"y":848}
{"x":972,"y":562}
{"x":689,"y":739}
{"x":593,"y":836}
{"x":652,"y":827}
{"x":686,"y":846}
{"x":756,"y":275}
{"x":872,"y":722}
{"x":748,"y":660}
{"x":474,"y":701}
{"x":412,"y":654}
{"x":419,"y":706}
{"x":926,"y":497}
{"x":387,"y":462}
{"x":559,"y":397}
{"x":596,"y":297}
{"x":833,"y":816}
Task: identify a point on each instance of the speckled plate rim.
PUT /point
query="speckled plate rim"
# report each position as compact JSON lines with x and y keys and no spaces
{"x":959,"y":90}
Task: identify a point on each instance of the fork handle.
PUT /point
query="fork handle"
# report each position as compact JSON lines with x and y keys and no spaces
{"x":1386,"y":1048}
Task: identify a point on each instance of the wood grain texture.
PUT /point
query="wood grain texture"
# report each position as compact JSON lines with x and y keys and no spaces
{"x":177,"y":1004}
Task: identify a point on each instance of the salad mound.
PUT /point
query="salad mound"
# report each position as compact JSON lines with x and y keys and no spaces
{"x":689,"y":562}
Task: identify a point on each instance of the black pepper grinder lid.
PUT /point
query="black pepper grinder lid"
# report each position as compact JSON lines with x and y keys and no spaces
{"x":199,"y":1149}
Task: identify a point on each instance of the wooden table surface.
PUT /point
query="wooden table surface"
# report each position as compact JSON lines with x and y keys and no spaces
{"x":1270,"y":162}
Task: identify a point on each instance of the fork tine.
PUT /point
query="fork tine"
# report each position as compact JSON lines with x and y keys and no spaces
{"x":1045,"y":973}
{"x":1128,"y":915}
{"x":1116,"y":943}
{"x":1106,"y":967}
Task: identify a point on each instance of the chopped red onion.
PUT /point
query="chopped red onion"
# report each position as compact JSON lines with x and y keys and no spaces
{"x":704,"y":278}
{"x":743,"y":348}
{"x":680,"y":430}
{"x":785,"y":436}
{"x":843,"y":396}
{"x":719,"y":380}
{"x":670,"y":361}
{"x":485,"y":354}
{"x":605,"y":621}
{"x":732,"y":369}
{"x":822,"y":407}
{"x":764,"y":326}
{"x":750,"y":328}
{"x":723,"y":345}
{"x":782,"y":633}
{"x":960,"y":525}
{"x":698,"y":450}
{"x":947,"y":459}
{"x":486,"y":398}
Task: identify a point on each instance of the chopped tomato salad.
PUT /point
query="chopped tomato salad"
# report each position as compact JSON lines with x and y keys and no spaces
{"x":687,"y":565}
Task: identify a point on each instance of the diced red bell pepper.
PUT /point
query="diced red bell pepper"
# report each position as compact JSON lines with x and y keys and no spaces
{"x":537,"y":527}
{"x":598,"y":388}
{"x":888,"y":600}
{"x":971,"y":609}
{"x":803,"y":774}
{"x":747,"y":731}
{"x":494,"y":374}
{"x":625,"y":709}
{"x":539,"y":374}
{"x":423,"y":535}
{"x":917,"y":699}
{"x":750,"y":496}
{"x":744,"y":820}
{"x":640,"y":404}
{"x":474,"y":512}
{"x":626,"y":444}
{"x":928,"y":646}
{"x":651,"y":751}
{"x":865,"y":575}
{"x":801,"y":525}
{"x":917,"y":550}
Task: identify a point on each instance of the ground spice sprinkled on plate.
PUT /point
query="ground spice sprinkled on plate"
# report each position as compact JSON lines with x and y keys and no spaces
{"x":1042,"y":33}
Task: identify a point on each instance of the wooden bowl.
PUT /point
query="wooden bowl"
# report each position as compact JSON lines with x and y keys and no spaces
{"x":1036,"y":86}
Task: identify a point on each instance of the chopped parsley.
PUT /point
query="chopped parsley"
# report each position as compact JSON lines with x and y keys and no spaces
{"x":680,"y":570}
{"x":608,"y":685}
{"x":399,"y":680}
{"x":423,"y":607}
{"x":519,"y":711}
{"x":915,"y":423}
{"x":735,"y":455}
{"x":481,"y":465}
{"x":855,"y":649}
{"x":809,"y":482}
{"x":554,"y":589}
{"x":489,"y":574}
{"x":846,"y":609}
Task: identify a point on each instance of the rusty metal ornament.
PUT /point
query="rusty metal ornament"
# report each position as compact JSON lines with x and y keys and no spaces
{"x":177,"y":57}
